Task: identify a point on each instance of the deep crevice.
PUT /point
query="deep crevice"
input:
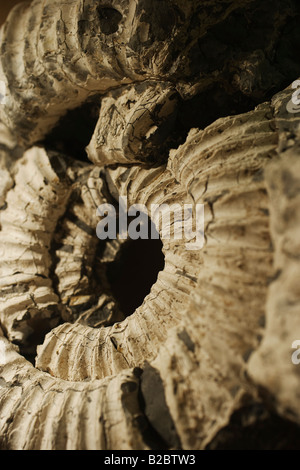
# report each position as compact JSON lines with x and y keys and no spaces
{"x":74,"y":131}
{"x":254,"y":427}
{"x":155,"y":409}
{"x":110,"y":19}
{"x":150,"y":436}
{"x":133,"y":273}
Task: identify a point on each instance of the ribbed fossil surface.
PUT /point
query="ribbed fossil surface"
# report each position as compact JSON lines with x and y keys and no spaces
{"x":212,"y":338}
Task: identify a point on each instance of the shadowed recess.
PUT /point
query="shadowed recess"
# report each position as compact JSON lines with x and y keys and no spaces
{"x":109,"y":19}
{"x":132,"y":275}
{"x":74,"y":131}
{"x":254,"y":427}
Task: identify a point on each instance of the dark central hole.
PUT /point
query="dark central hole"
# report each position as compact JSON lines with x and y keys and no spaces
{"x":109,"y":20}
{"x":132,"y":275}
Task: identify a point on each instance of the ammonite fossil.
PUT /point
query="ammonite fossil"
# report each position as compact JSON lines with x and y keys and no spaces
{"x":184,"y":109}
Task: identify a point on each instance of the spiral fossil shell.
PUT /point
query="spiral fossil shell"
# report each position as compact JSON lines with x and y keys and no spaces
{"x":205,"y":337}
{"x":99,"y":49}
{"x":226,"y":185}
